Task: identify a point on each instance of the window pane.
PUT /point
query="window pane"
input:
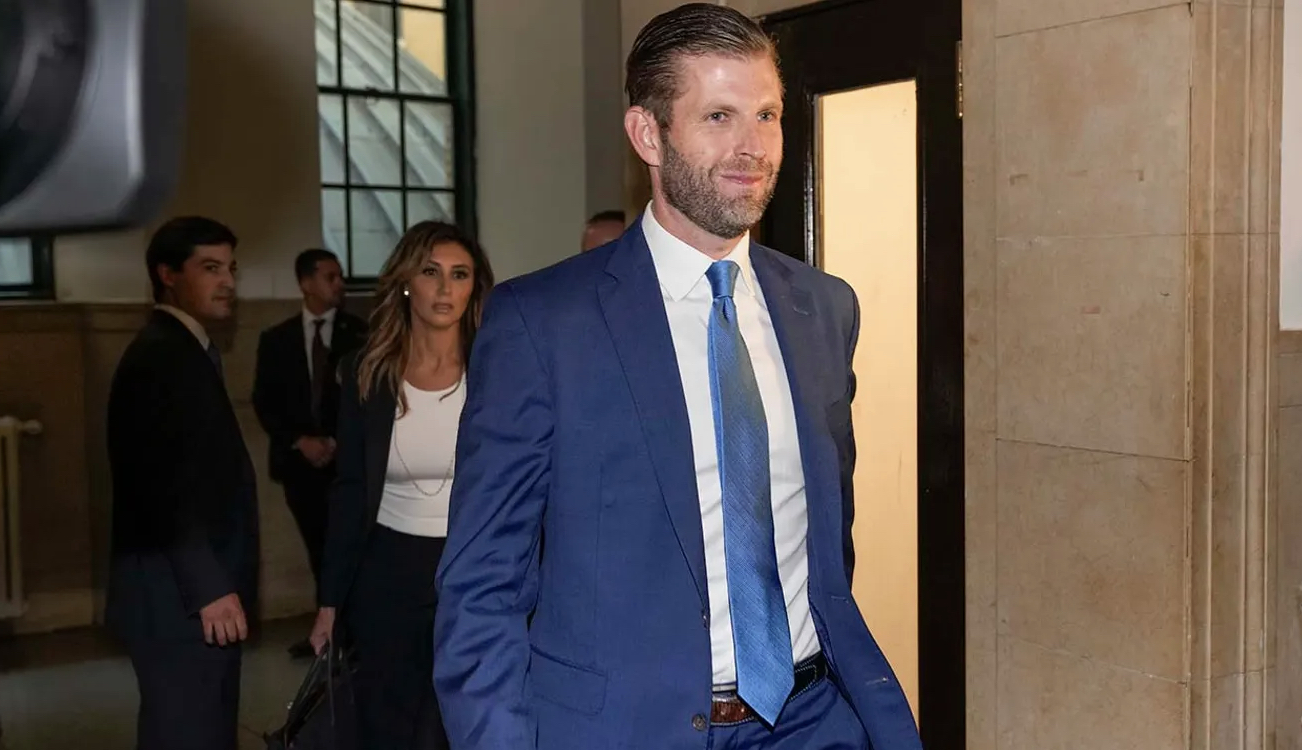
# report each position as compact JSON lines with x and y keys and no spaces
{"x":368,"y":45}
{"x":423,"y":205}
{"x":377,"y":225}
{"x":330,"y":108}
{"x":424,"y":3}
{"x":429,"y":144}
{"x":373,"y":148}
{"x":327,"y":52}
{"x":15,"y":262}
{"x":422,"y":44}
{"x":334,"y":224}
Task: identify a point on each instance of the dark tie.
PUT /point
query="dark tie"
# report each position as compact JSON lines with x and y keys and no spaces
{"x":320,"y":369}
{"x":761,"y":635}
{"x":216,"y":358}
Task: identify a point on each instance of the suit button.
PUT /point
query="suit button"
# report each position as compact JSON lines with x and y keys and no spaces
{"x":705,"y":618}
{"x":699,"y":723}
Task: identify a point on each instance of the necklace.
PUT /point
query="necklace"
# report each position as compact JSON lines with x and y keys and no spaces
{"x":447,"y":473}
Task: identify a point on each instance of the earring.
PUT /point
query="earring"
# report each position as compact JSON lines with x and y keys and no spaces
{"x":406,"y":292}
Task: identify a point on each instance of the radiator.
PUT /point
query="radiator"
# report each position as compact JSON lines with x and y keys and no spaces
{"x":12,"y":603}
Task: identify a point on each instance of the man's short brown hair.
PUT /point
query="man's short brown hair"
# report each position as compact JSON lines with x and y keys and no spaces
{"x":691,"y":30}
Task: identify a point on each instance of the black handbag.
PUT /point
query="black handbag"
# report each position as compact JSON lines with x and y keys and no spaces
{"x":323,"y":715}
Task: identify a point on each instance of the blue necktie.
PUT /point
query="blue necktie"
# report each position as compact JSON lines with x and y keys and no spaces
{"x":761,"y":636}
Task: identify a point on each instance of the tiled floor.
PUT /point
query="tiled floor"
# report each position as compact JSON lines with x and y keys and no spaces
{"x":75,"y":691}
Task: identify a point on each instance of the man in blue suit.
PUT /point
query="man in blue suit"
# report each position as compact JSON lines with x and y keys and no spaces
{"x":649,"y":537}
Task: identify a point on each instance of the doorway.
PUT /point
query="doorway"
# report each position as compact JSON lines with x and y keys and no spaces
{"x":871,"y":191}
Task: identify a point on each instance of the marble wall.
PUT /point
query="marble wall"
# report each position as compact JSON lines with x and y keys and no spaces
{"x":1122,"y":235}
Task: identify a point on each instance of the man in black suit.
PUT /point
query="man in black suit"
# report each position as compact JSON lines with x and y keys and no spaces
{"x":184,"y":567}
{"x":296,"y":396}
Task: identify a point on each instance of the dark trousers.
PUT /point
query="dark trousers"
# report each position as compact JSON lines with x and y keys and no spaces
{"x":307,"y":494}
{"x":390,"y":615}
{"x":820,"y":718}
{"x":189,"y":695}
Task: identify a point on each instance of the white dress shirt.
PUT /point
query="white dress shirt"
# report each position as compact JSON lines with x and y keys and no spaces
{"x":188,"y":321}
{"x":309,"y":332}
{"x":688,"y":301}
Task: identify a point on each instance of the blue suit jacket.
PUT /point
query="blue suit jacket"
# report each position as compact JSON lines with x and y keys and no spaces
{"x":573,"y":609}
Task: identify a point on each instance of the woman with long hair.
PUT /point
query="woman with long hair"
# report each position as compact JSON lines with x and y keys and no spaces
{"x":400,"y":405}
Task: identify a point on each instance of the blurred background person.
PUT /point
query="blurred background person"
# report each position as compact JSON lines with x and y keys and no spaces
{"x":603,"y":227}
{"x":183,"y":573}
{"x":296,"y":397}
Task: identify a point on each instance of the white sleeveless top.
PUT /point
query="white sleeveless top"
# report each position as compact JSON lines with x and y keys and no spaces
{"x":422,"y":453}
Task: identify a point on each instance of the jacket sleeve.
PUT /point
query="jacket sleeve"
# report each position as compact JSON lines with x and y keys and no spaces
{"x":185,"y":493}
{"x":488,"y":577}
{"x":847,"y":469}
{"x":346,"y":522}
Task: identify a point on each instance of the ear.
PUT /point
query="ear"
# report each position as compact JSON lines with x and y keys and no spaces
{"x":643,"y":134}
{"x":168,"y":276}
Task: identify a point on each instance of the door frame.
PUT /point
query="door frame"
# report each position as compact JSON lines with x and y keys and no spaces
{"x":942,"y":636}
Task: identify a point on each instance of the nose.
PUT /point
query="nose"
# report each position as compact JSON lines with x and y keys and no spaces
{"x":752,"y":141}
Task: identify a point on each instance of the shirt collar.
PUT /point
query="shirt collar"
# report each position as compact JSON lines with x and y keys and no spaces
{"x":188,"y":321}
{"x":328,"y":316}
{"x":680,"y":267}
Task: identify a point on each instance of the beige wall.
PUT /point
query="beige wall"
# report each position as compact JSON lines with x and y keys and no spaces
{"x":1122,"y":220}
{"x":1290,"y":272}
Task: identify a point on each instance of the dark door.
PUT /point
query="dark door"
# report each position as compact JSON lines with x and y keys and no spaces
{"x":871,"y":190}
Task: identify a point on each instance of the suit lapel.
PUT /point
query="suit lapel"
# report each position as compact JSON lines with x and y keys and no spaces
{"x":635,"y":314}
{"x":792,"y":309}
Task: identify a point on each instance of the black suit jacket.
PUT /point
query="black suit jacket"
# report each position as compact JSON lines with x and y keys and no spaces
{"x":185,"y":516}
{"x":282,"y":389}
{"x":365,"y":431}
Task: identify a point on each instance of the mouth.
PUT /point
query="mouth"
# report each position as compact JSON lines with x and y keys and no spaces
{"x":745,"y":178}
{"x":442,"y":308}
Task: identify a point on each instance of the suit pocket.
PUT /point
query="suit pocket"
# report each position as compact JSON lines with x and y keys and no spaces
{"x":574,"y":687}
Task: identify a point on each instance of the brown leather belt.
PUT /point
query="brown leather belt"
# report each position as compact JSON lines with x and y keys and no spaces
{"x":728,"y":708}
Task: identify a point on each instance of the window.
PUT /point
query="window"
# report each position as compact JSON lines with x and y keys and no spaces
{"x":26,"y":269}
{"x":396,"y":122}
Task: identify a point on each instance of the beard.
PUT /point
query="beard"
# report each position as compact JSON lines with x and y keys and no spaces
{"x":694,"y":191}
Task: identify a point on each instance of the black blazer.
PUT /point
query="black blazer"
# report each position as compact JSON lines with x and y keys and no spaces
{"x":185,"y":515}
{"x":282,"y":389}
{"x":365,"y":432}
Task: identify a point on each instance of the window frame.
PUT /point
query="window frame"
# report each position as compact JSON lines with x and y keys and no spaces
{"x":41,"y":286}
{"x":458,"y":25}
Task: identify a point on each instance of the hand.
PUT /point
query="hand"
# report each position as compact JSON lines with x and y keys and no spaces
{"x":224,"y":622}
{"x":322,"y":629}
{"x":319,"y":451}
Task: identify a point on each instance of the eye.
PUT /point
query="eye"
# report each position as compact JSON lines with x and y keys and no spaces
{"x":768,"y":116}
{"x":718,"y":116}
{"x":429,"y":271}
{"x":461,"y":275}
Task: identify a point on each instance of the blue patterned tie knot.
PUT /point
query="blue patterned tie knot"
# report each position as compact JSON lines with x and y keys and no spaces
{"x":723,"y":278}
